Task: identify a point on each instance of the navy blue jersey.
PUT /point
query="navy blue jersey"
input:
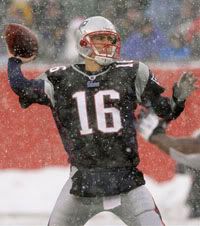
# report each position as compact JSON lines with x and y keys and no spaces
{"x":94,"y":114}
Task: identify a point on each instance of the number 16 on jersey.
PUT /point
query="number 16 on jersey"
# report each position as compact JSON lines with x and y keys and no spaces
{"x":100,"y":110}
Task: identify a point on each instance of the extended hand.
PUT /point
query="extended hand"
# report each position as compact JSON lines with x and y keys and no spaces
{"x":23,"y":59}
{"x":185,"y":86}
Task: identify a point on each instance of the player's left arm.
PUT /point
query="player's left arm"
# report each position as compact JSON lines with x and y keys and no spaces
{"x":164,"y":107}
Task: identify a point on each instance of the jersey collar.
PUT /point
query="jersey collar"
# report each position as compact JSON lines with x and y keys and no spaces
{"x":80,"y":68}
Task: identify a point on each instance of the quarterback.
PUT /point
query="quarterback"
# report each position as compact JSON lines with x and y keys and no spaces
{"x":93,"y":106}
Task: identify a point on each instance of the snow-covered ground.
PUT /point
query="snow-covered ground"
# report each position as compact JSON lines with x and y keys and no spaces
{"x":27,"y":198}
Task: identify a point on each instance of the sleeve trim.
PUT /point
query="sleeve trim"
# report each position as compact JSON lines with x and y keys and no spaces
{"x":141,"y":80}
{"x":48,"y":88}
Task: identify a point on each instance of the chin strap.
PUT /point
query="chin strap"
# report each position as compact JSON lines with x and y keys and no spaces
{"x":103,"y":60}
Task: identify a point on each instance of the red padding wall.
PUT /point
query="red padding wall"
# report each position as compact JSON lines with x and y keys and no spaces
{"x":29,"y":138}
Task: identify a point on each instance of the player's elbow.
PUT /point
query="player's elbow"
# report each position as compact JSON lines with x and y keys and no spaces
{"x":18,"y":86}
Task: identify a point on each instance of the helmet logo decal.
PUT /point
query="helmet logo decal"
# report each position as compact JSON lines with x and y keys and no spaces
{"x":154,"y":79}
{"x":83,"y":24}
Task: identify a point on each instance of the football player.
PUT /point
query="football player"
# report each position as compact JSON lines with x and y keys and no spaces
{"x":184,"y":150}
{"x":93,"y":104}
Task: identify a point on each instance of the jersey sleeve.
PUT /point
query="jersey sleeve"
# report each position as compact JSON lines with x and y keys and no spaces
{"x":148,"y":92}
{"x":31,"y":91}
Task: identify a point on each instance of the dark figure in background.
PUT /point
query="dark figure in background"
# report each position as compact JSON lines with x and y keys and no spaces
{"x":144,"y":43}
{"x":184,"y":150}
{"x":51,"y":23}
{"x":177,"y":49}
{"x":92,"y":105}
{"x":193,"y":199}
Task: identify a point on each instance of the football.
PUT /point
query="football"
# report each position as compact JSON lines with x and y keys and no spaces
{"x":21,"y":41}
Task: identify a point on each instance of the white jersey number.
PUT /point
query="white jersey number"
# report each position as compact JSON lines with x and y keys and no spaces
{"x":101,"y":112}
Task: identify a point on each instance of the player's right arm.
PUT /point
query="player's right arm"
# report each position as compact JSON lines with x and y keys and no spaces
{"x":29,"y":91}
{"x":184,"y":150}
{"x":185,"y":145}
{"x":153,"y":129}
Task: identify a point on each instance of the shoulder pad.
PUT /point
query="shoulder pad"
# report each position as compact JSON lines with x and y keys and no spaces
{"x":56,"y":74}
{"x":126,"y":63}
{"x":142,"y":77}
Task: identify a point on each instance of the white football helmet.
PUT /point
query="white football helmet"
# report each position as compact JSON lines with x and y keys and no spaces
{"x":97,"y":25}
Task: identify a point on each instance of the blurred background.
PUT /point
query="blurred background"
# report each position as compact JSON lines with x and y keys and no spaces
{"x":165,"y":34}
{"x":166,"y":30}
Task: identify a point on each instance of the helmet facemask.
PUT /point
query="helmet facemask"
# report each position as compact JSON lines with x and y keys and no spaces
{"x":104,"y":53}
